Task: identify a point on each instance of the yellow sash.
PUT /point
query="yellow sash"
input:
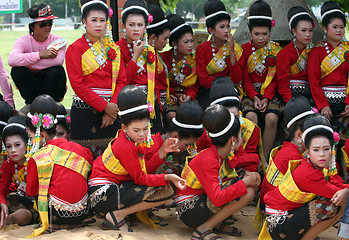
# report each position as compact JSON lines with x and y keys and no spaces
{"x":327,"y":67}
{"x":290,"y":190}
{"x":161,"y":67}
{"x":213,"y":66}
{"x":151,"y":78}
{"x":189,"y":80}
{"x":113,"y":164}
{"x":251,"y":64}
{"x":20,"y":175}
{"x":45,"y":159}
{"x":89,"y":63}
{"x":345,"y":156}
{"x":193,"y":182}
{"x":295,"y":68}
{"x":273,"y":175}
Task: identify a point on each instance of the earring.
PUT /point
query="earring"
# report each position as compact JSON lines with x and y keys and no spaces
{"x":153,"y":43}
{"x":212,"y":37}
{"x":43,"y":142}
{"x":232,"y":148}
{"x":299,"y":144}
{"x":145,"y":38}
{"x":124,"y":32}
{"x":325,"y":37}
{"x":175,"y":50}
{"x":83,"y":28}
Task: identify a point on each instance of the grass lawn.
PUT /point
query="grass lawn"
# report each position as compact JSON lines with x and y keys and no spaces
{"x":7,"y":39}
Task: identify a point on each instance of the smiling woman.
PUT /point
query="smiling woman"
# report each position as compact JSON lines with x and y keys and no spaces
{"x":96,"y":72}
{"x":37,"y":58}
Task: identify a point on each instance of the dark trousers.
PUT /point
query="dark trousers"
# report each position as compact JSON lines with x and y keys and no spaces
{"x":51,"y":81}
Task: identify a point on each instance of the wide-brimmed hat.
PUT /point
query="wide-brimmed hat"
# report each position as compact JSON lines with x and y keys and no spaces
{"x":39,"y":13}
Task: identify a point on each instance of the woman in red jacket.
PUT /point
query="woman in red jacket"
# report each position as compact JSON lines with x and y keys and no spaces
{"x":97,"y":74}
{"x":292,"y":60}
{"x":259,"y":74}
{"x":220,"y":55}
{"x":328,"y":69}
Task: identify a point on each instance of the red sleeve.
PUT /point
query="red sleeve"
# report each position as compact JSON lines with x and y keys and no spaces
{"x":32,"y":188}
{"x":242,"y":159}
{"x":192,"y":91}
{"x":5,"y":180}
{"x":271,"y":89}
{"x":283,"y":65}
{"x":314,"y":63}
{"x":252,"y":144}
{"x":235,"y":72}
{"x":205,"y":80}
{"x":203,"y":142}
{"x":129,"y":160}
{"x":121,"y":81}
{"x":247,"y":83}
{"x":338,"y":181}
{"x":208,"y":175}
{"x":74,"y":70}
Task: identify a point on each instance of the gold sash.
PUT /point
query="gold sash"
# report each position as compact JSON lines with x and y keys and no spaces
{"x":273,"y":176}
{"x":162,"y":67}
{"x":251,"y":64}
{"x":296,"y":67}
{"x":189,"y":80}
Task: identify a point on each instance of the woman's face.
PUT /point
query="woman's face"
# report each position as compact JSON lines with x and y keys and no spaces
{"x":16,"y":148}
{"x":96,"y":23}
{"x":162,"y":39}
{"x":135,"y":27}
{"x":260,"y":36}
{"x":221,"y":30}
{"x":320,"y":152}
{"x":42,"y":30}
{"x":184,"y":143}
{"x":137,"y":130}
{"x":185,"y":44}
{"x":61,"y":132}
{"x":304,"y":32}
{"x":237,"y":142}
{"x":335,"y":30}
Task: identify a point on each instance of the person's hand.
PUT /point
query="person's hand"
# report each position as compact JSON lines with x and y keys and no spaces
{"x":340,"y":197}
{"x":345,"y":113}
{"x":252,"y":179}
{"x":256,"y":102}
{"x":138,"y":48}
{"x":107,"y":121}
{"x":231,"y":44}
{"x":111,"y":109}
{"x":3,"y":215}
{"x":263,"y":104}
{"x":183,"y":98}
{"x":173,"y":98}
{"x":50,"y":53}
{"x":170,"y":145}
{"x":180,"y":183}
{"x":326,"y":111}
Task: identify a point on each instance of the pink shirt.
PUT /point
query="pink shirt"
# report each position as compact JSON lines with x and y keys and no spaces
{"x":25,"y":53}
{"x":5,"y":84}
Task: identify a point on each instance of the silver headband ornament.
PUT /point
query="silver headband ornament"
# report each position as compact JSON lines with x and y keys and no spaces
{"x":189,"y":126}
{"x":225,"y":130}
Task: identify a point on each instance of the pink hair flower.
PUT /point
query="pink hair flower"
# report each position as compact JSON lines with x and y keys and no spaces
{"x":111,"y":12}
{"x":336,"y":137}
{"x":273,"y":22}
{"x":150,"y":107}
{"x":150,"y":18}
{"x":35,"y":120}
{"x":47,"y":121}
{"x":67,"y":119}
{"x":315,"y":110}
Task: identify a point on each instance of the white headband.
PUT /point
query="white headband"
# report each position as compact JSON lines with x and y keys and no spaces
{"x":225,"y":130}
{"x":60,"y":116}
{"x":3,"y":123}
{"x":331,"y":11}
{"x":134,"y":7}
{"x":157,"y":24}
{"x":183,"y":125}
{"x":296,"y":118}
{"x":259,"y":17}
{"x":224,"y":99}
{"x":29,"y":115}
{"x":178,"y":27}
{"x":215,"y":14}
{"x":131,"y":110}
{"x":14,"y":124}
{"x":296,"y":15}
{"x":315,"y":127}
{"x":93,"y":2}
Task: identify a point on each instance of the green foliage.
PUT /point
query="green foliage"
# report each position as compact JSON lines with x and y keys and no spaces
{"x":344,"y":4}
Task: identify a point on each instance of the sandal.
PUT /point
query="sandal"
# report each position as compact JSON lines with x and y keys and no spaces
{"x":157,"y":220}
{"x":230,"y":220}
{"x":116,"y":225}
{"x":233,"y":232}
{"x":204,"y":234}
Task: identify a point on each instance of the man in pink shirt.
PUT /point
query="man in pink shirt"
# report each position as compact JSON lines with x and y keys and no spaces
{"x":5,"y":85}
{"x":36,"y":67}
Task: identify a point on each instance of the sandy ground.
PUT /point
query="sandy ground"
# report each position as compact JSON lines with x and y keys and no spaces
{"x":174,"y":231}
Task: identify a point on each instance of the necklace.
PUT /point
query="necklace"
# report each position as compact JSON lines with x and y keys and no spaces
{"x":100,"y":59}
{"x":220,"y":63}
{"x":303,"y":64}
{"x":140,"y":60}
{"x":21,"y":183}
{"x":260,"y":63}
{"x":335,"y":58}
{"x":178,"y":75}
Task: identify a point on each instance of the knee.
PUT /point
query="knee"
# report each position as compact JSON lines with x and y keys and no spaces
{"x":21,"y":217}
{"x":248,"y":197}
{"x":271,"y":119}
{"x":252,"y":116}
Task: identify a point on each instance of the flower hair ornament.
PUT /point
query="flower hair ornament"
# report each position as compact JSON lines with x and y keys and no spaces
{"x":38,"y":120}
{"x":332,"y":169}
